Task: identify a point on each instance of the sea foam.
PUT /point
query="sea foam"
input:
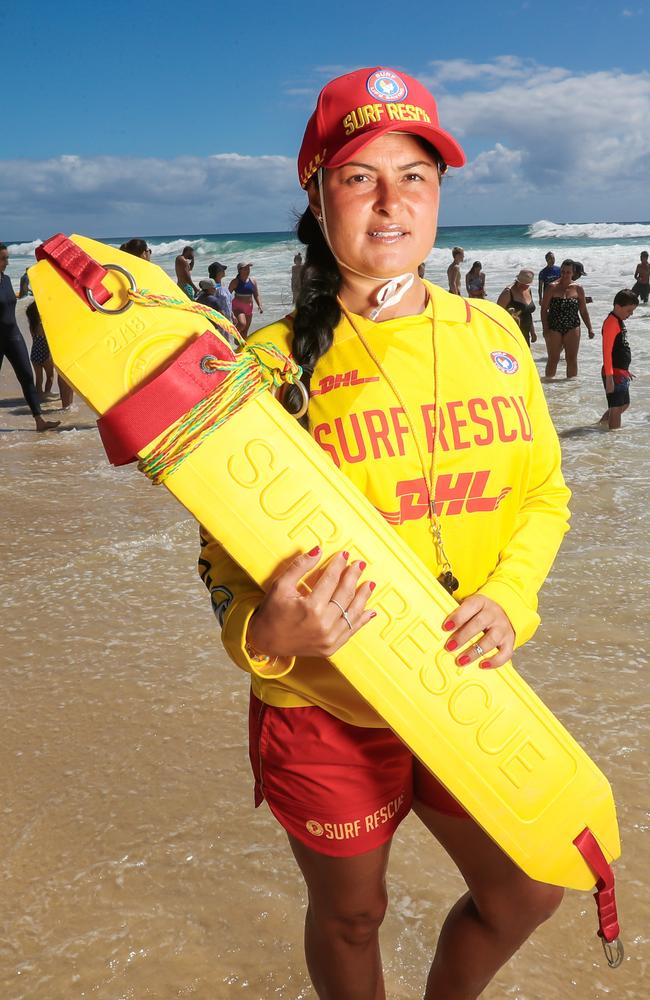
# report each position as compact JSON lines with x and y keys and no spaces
{"x":544,"y":229}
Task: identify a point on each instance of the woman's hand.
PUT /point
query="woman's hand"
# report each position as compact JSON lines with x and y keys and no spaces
{"x":484,"y":622}
{"x":292,"y":622}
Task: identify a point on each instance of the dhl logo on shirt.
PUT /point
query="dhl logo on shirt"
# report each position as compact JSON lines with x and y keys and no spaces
{"x":342,"y":380}
{"x":366,"y":114}
{"x":465,"y":493}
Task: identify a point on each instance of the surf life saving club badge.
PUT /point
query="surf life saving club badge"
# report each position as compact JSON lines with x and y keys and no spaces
{"x":386,"y":86}
{"x":505,"y":362}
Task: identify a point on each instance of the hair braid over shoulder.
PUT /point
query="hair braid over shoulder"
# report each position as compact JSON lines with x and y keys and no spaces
{"x":317,"y":309}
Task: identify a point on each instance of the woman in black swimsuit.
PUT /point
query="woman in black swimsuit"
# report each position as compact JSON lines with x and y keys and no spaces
{"x":517,"y":298}
{"x":13,"y":347}
{"x":562,"y":306}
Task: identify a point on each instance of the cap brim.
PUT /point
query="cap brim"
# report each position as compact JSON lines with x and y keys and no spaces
{"x":448,"y":148}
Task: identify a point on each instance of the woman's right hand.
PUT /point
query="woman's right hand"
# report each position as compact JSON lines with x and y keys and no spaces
{"x":293,"y":622}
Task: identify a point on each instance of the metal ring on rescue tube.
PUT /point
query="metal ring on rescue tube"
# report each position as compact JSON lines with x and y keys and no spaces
{"x":305,"y":398}
{"x":614,"y":952}
{"x":205,"y":366}
{"x":132,"y":288}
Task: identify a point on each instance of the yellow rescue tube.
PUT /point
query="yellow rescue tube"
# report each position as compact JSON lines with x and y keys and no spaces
{"x":263,"y":487}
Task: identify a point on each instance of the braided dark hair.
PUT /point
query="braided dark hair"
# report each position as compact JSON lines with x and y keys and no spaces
{"x":317,"y":309}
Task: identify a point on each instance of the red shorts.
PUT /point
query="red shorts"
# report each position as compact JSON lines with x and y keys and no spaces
{"x":340,"y":789}
{"x":244,"y":306}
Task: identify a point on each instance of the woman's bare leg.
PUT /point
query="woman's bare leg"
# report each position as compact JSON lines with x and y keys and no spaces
{"x":49,"y":375}
{"x":554,"y":346}
{"x":347,"y":902}
{"x":571,"y":345}
{"x":488,"y":924}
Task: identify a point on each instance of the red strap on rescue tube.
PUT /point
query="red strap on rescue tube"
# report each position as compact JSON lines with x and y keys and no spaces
{"x":75,"y":266}
{"x":605,"y":899}
{"x":131,"y":424}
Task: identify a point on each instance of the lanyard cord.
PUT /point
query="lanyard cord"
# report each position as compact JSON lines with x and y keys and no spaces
{"x":446,"y":578}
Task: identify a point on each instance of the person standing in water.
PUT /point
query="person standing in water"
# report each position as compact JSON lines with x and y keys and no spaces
{"x":642,"y":278}
{"x":296,"y":277}
{"x":453,"y":271}
{"x":244,"y":289}
{"x":562,"y":306}
{"x":14,"y":349}
{"x":617,"y":358}
{"x":321,"y":756}
{"x":548,"y":274}
{"x":475,"y":281}
{"x":183,"y":265}
{"x":517,"y":298}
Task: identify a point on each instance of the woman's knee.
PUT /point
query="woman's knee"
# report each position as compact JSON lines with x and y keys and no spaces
{"x":356,"y":925}
{"x":524,"y":907}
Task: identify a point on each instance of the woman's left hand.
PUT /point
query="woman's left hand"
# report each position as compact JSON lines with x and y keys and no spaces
{"x":484,"y":622}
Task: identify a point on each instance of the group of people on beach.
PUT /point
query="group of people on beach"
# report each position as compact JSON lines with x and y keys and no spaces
{"x":235,"y":301}
{"x":562,"y":304}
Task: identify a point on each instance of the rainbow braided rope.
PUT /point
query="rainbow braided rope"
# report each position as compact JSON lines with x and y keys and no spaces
{"x":252,"y":371}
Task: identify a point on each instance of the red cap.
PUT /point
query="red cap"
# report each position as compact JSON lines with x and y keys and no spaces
{"x":356,"y":108}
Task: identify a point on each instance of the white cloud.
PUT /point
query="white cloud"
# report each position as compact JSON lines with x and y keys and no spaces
{"x":587,"y":131}
{"x":114,"y":195}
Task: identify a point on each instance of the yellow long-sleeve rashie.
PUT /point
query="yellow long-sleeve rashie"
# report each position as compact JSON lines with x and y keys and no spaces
{"x":500,"y":496}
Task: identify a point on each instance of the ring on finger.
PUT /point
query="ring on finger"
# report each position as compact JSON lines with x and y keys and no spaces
{"x":344,"y":614}
{"x":478,"y":649}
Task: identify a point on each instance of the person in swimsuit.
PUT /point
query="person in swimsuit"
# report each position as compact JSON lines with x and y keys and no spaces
{"x":13,"y":347}
{"x":617,"y":358}
{"x":183,"y":266}
{"x":547,"y":274}
{"x":642,"y":278}
{"x":517,"y":298}
{"x":453,"y":271}
{"x":39,"y":355}
{"x":562,"y":306}
{"x":336,"y":778}
{"x":244,"y":289}
{"x":475,"y":281}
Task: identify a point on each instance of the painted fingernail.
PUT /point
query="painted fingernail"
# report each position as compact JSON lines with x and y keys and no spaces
{"x":362,"y":565}
{"x":372,"y":584}
{"x":451,"y":645}
{"x":449,"y":626}
{"x":373,"y":614}
{"x":315,"y":551}
{"x":463,"y":660}
{"x":346,"y":555}
{"x":485,"y":664}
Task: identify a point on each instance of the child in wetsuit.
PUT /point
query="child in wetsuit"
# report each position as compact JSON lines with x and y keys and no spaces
{"x":617,"y":358}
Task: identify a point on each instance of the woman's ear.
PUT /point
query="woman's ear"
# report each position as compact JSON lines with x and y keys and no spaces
{"x":313,"y":195}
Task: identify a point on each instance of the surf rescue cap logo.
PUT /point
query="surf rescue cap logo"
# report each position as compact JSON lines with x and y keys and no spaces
{"x":386,"y":86}
{"x":505,"y":362}
{"x":314,"y":828}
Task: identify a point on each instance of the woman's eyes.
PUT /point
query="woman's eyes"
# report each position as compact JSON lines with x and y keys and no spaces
{"x":367,"y":178}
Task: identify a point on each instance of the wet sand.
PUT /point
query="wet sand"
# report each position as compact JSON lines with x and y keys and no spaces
{"x":133,"y":863}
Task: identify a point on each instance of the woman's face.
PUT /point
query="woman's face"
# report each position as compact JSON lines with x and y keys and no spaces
{"x":381,"y":209}
{"x":566,"y":273}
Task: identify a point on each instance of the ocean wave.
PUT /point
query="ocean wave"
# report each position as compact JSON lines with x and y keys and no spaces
{"x":24,"y":249}
{"x":176,"y":246}
{"x":546,"y":230}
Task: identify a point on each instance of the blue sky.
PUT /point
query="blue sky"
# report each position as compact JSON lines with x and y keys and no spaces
{"x":160,"y":118}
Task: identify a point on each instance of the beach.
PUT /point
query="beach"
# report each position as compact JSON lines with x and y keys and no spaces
{"x":134,"y":864}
